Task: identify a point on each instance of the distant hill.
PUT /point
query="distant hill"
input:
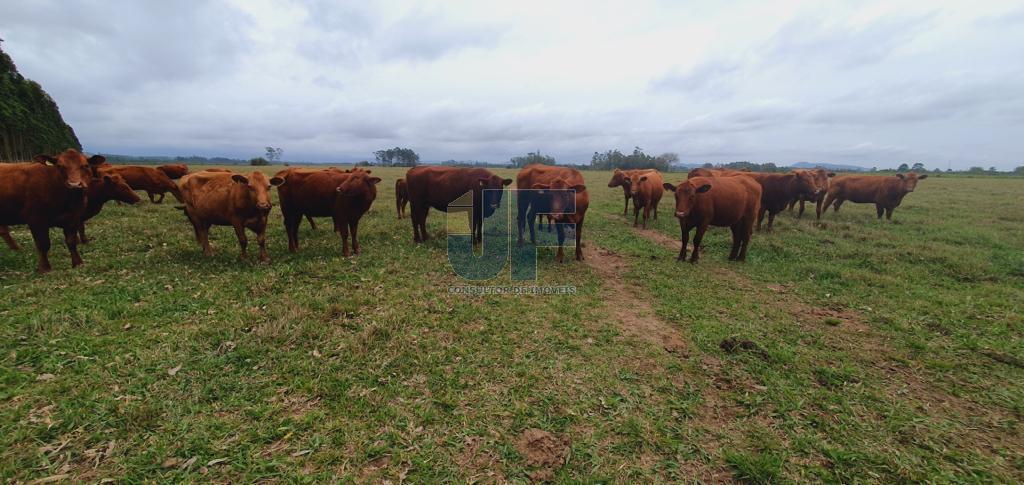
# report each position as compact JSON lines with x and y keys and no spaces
{"x":831,"y":166}
{"x":30,"y":123}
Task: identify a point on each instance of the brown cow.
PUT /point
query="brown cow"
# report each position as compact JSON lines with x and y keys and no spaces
{"x":102,"y":189}
{"x":5,"y":234}
{"x":401,"y":196}
{"x":714,"y":172}
{"x":619,"y":180}
{"x":174,"y":171}
{"x":355,"y":196}
{"x":308,"y":192}
{"x":732,"y":202}
{"x":646,"y":187}
{"x":885,"y":192}
{"x":229,"y":199}
{"x":821,"y":177}
{"x":324,"y":193}
{"x":50,"y":192}
{"x":149,"y":179}
{"x":558,"y":191}
{"x":778,"y":189}
{"x":437,"y":187}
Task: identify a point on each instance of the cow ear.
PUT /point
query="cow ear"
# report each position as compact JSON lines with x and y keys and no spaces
{"x":579,"y":187}
{"x":669,"y":187}
{"x":278,"y":181}
{"x":506,"y":182}
{"x":97,"y":160}
{"x":240,"y":179}
{"x":703,"y":188}
{"x":901,"y":176}
{"x":373,"y":180}
{"x":43,"y":159}
{"x":922,"y":177}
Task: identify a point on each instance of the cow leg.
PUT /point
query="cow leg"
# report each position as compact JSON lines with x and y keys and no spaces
{"x":801,"y":213}
{"x":737,"y":237}
{"x":41,"y":236}
{"x":81,"y":234}
{"x":152,"y":197}
{"x":636,"y":213}
{"x":354,"y":228}
{"x":291,"y":231}
{"x":880,"y":210}
{"x":760,"y":217}
{"x":343,"y":232}
{"x":817,"y":207}
{"x":771,"y":220}
{"x":748,"y":230}
{"x":647,"y":214}
{"x":560,"y":230}
{"x":838,"y":204}
{"x":888,"y":213}
{"x":684,"y":239}
{"x":579,"y":240}
{"x":71,"y":240}
{"x":697,"y":238}
{"x":419,"y":218}
{"x":261,"y":240}
{"x":312,"y":223}
{"x":243,"y":242}
{"x":5,"y":233}
{"x":161,"y":199}
{"x":530,"y":221}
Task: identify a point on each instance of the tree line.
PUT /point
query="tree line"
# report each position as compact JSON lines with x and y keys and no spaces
{"x":30,"y":122}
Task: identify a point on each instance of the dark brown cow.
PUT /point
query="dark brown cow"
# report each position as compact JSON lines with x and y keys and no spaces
{"x":619,"y":180}
{"x":149,"y":179}
{"x":401,"y":196}
{"x":646,"y":188}
{"x":885,"y":192}
{"x":102,"y":189}
{"x":5,"y":234}
{"x":821,"y":177}
{"x":174,"y":171}
{"x":229,"y":199}
{"x":778,"y":189}
{"x":309,"y":192}
{"x":325,"y":192}
{"x":732,"y":202}
{"x":558,"y":191}
{"x":50,"y":192}
{"x":438,"y":187}
{"x":355,"y":196}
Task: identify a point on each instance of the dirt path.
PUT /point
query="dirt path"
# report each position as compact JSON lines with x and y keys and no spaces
{"x":631,"y":309}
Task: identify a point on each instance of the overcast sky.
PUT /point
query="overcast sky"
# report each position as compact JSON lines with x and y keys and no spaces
{"x":868,"y":83}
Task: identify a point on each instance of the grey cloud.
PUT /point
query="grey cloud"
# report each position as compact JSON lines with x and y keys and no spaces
{"x":818,"y":40}
{"x":422,"y":36}
{"x":710,"y":78}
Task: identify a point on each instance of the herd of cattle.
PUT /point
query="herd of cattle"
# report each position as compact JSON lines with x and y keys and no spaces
{"x":67,"y":190}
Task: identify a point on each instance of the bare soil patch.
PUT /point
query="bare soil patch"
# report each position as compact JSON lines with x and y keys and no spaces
{"x":542,"y":450}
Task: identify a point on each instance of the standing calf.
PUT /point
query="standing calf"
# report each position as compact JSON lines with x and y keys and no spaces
{"x":229,"y":199}
{"x":356,"y":194}
{"x":732,"y":202}
{"x":646,"y":188}
{"x":821,"y":177}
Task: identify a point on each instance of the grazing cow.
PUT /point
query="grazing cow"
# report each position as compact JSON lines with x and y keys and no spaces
{"x":732,"y":202}
{"x":778,"y":189}
{"x":885,"y":192}
{"x":5,"y":234}
{"x":49,"y":192}
{"x":401,"y":196}
{"x":174,"y":171}
{"x":821,"y":177}
{"x":619,"y":180}
{"x":308,"y":192}
{"x":149,"y":179}
{"x":646,"y":187}
{"x":356,"y":194}
{"x":229,"y":199}
{"x":102,"y":189}
{"x":555,"y":191}
{"x":438,"y":187}
{"x":714,"y":172}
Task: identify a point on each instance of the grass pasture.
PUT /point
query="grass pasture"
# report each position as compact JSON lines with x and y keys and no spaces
{"x":843,"y":350}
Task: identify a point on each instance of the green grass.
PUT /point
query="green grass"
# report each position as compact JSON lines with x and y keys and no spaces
{"x":889,"y":352}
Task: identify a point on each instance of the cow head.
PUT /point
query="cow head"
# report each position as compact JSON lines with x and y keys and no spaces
{"x":635,"y":181}
{"x":686,"y":195}
{"x":492,"y":197}
{"x":561,"y":196}
{"x":806,"y":182}
{"x":821,"y":177}
{"x":111,"y":186}
{"x":910,"y":180}
{"x":359,"y":184}
{"x":258,"y":188}
{"x":74,"y":168}
{"x":618,"y":179}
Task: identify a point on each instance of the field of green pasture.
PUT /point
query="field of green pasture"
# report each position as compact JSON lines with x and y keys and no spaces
{"x":842,"y":350}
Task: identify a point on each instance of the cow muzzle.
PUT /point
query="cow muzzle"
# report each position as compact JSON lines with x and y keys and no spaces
{"x":264,"y":207}
{"x":75,"y":185}
{"x":680,"y":214}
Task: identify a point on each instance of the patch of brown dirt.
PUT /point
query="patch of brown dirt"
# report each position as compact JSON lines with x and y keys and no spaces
{"x":632,"y":310}
{"x":480,"y":464}
{"x":543,"y":450}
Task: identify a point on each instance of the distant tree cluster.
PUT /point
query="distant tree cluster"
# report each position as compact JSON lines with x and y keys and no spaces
{"x":259,"y":161}
{"x":613,"y":159}
{"x":30,"y":122}
{"x":397,"y":157}
{"x":273,"y":154}
{"x":532,"y":157}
